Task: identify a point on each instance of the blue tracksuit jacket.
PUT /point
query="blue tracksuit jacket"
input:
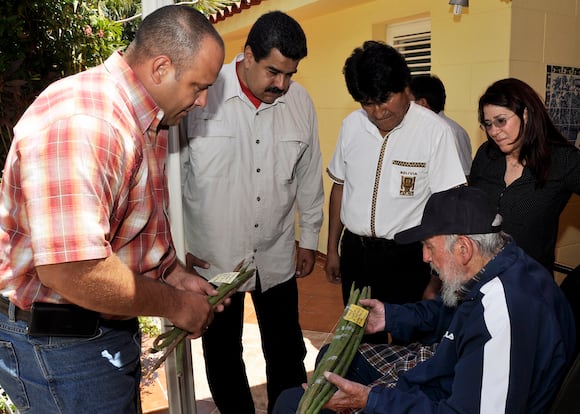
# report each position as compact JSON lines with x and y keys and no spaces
{"x":504,"y":349}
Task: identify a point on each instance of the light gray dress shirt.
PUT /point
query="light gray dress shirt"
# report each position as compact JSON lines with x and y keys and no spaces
{"x":247,"y":173}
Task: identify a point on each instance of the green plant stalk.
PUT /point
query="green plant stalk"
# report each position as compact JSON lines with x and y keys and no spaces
{"x":328,"y":389}
{"x":225,"y":288}
{"x":178,"y":335}
{"x":328,"y":362}
{"x":343,"y":363}
{"x":329,"y":359}
{"x":341,"y":336}
{"x":355,"y":340}
{"x":173,"y":339}
{"x":337,"y":359}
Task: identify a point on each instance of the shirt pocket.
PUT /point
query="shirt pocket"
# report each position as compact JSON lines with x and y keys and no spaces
{"x":408,"y":179}
{"x":289,"y":150}
{"x":211,"y":146}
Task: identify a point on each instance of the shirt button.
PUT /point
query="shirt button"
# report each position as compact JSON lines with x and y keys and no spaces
{"x":256,"y":225}
{"x":257,"y":141}
{"x":258,"y":198}
{"x":258,"y":170}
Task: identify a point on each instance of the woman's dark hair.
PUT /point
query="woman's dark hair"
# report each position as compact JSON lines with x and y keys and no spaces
{"x":374,"y":71}
{"x":280,"y":31}
{"x":537,"y":133}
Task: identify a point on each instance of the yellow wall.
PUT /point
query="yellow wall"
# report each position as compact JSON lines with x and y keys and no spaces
{"x":492,"y":39}
{"x":547,"y":32}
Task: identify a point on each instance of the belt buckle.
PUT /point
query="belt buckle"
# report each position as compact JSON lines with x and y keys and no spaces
{"x":364,"y":241}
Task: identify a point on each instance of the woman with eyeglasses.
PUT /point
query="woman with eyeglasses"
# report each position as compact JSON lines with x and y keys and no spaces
{"x":526,"y":166}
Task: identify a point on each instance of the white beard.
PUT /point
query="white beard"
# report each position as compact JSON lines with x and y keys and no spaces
{"x":452,"y":280}
{"x":449,"y":292}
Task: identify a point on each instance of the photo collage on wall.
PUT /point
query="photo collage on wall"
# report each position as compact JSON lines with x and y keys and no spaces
{"x":563,"y":100}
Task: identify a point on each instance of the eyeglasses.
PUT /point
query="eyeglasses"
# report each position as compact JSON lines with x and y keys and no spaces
{"x":496,"y":122}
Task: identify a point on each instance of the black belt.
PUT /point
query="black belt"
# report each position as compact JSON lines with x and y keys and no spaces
{"x":118,"y":324}
{"x":372,"y":242}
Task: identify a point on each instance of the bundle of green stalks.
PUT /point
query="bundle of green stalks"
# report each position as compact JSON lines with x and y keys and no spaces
{"x":340,"y":353}
{"x":173,"y":338}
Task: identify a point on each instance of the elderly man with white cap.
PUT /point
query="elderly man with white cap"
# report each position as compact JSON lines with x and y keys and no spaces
{"x":505,"y":331}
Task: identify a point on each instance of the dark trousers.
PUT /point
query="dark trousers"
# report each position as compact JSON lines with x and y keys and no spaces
{"x":282,"y":344}
{"x":395,"y":272}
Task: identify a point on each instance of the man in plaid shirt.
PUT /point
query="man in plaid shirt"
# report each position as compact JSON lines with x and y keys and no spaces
{"x":83,"y":221}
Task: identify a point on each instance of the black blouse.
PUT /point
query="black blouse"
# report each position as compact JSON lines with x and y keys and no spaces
{"x":530,"y":215}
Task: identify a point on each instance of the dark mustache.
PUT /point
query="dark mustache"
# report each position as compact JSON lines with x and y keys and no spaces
{"x":275,"y":90}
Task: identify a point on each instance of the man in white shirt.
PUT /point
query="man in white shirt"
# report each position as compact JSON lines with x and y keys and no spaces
{"x":253,"y":159}
{"x":429,"y":91}
{"x":390,"y":157}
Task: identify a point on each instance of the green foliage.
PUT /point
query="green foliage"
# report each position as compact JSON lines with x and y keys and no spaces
{"x":61,"y":36}
{"x":43,"y":40}
{"x":6,"y":406}
{"x":16,"y":92}
{"x":209,"y":7}
{"x":149,"y":326}
{"x":124,"y":12}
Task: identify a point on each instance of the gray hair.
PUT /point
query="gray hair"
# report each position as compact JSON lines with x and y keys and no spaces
{"x":488,"y":244}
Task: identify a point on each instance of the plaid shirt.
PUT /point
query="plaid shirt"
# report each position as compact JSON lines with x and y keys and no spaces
{"x":393,"y":360}
{"x":85,"y":178}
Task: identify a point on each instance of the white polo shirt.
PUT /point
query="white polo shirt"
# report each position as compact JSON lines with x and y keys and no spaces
{"x":387,"y":181}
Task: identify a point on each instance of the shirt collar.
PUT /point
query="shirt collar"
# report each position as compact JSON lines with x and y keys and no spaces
{"x":147,"y":113}
{"x":233,"y":89}
{"x":464,"y":290}
{"x":468,"y":287}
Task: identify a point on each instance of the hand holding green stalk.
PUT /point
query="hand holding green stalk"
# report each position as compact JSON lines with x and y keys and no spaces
{"x":173,"y":338}
{"x":339,"y":355}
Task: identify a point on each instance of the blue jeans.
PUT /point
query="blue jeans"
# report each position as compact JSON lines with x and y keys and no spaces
{"x":47,"y":375}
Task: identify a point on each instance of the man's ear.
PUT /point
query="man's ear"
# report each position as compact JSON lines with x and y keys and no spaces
{"x":160,"y":67}
{"x":248,"y":56}
{"x":465,"y":246}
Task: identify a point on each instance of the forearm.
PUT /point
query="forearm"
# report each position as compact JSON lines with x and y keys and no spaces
{"x":108,"y":286}
{"x":382,"y":400}
{"x":335,"y":226}
{"x":405,"y":321}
